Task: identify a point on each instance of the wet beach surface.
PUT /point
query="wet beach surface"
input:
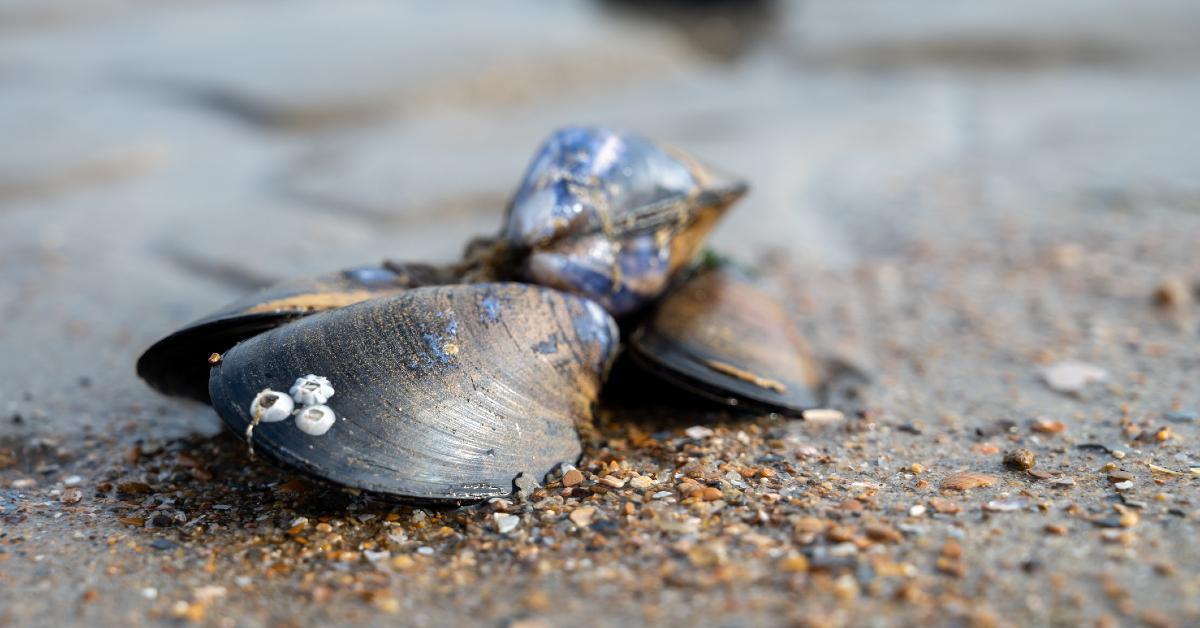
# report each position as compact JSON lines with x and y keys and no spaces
{"x":971,"y":207}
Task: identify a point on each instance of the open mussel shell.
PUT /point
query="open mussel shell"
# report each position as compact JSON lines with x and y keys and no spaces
{"x":612,"y":216}
{"x":720,"y":335}
{"x":178,"y":363}
{"x":441,"y":393}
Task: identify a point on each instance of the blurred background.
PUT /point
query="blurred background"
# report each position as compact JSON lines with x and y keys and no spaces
{"x":161,"y":158}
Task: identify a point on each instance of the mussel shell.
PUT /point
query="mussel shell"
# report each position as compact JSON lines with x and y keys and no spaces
{"x":442,"y":393}
{"x":612,"y":216}
{"x":720,"y":335}
{"x":178,"y":363}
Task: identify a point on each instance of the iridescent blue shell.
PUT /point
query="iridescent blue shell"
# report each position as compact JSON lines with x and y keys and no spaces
{"x":612,"y":216}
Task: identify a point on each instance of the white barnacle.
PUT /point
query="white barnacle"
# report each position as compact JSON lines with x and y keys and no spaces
{"x":315,"y":420}
{"x":270,"y":406}
{"x":311,"y":390}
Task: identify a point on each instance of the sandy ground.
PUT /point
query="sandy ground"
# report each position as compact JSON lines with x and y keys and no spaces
{"x":951,"y":199}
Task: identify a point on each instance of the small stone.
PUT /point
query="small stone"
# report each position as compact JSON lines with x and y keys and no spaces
{"x":582,"y":517}
{"x":572,"y":477}
{"x":1056,"y":529}
{"x":133,"y":488}
{"x":642,"y":482}
{"x":1123,"y":486}
{"x":967,"y":480}
{"x":506,"y":523}
{"x":944,"y":506}
{"x":795,"y":563}
{"x":1072,"y":376}
{"x":998,"y":505}
{"x":917,"y":468}
{"x":698,"y":432}
{"x":1118,"y":454}
{"x":612,"y":482}
{"x":822,"y":415}
{"x":1045,"y":426}
{"x":710,"y":494}
{"x":1172,"y":293}
{"x":523,"y":486}
{"x":1022,"y":459}
{"x":72,"y":480}
{"x":1119,"y":476}
{"x":917,"y":511}
{"x":71,"y":496}
{"x":163,"y":544}
{"x":883,"y":533}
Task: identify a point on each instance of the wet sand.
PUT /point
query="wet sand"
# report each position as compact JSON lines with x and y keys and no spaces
{"x":950,"y":200}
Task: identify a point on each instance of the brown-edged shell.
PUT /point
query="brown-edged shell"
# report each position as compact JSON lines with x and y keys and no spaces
{"x":178,"y":364}
{"x":720,"y":335}
{"x":441,"y":393}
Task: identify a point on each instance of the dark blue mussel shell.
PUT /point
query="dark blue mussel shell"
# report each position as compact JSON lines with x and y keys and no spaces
{"x":178,"y":363}
{"x":612,"y":216}
{"x":442,"y":393}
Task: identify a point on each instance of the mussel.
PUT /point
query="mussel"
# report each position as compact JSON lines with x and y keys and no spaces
{"x":611,"y":216}
{"x":718,"y":334}
{"x":441,"y":393}
{"x":444,"y":384}
{"x":178,"y":364}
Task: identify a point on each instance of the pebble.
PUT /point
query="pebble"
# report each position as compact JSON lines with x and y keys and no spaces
{"x":661,"y":495}
{"x":506,"y":523}
{"x":1072,"y":376}
{"x":1119,"y":476}
{"x":1045,"y":426}
{"x":1172,"y":293}
{"x":72,"y":480}
{"x":822,"y":415}
{"x":612,"y":482}
{"x":642,"y":482}
{"x":1011,"y":505}
{"x":1022,"y":459}
{"x":944,"y":506}
{"x":572,"y":477}
{"x":582,"y":517}
{"x":967,"y":480}
{"x":917,"y":511}
{"x":1123,"y":486}
{"x":698,"y":432}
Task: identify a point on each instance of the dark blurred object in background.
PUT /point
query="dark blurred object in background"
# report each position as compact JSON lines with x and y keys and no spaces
{"x":725,"y":29}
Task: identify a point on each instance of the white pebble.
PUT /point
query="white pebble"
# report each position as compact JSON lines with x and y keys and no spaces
{"x":270,"y":406}
{"x":916,"y":511}
{"x":506,"y":523}
{"x":311,"y":390}
{"x":315,"y":420}
{"x":1123,"y":486}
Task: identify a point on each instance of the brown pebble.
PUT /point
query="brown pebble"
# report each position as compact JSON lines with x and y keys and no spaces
{"x":133,"y":488}
{"x":967,"y":480}
{"x":883,"y":532}
{"x":1172,"y":293}
{"x":582,"y":517}
{"x":710,"y":494}
{"x":796,"y":563}
{"x":1119,"y":476}
{"x":572,"y":477}
{"x":1022,"y":459}
{"x":1057,"y":529}
{"x":944,"y":506}
{"x":1044,"y":426}
{"x":612,"y":482}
